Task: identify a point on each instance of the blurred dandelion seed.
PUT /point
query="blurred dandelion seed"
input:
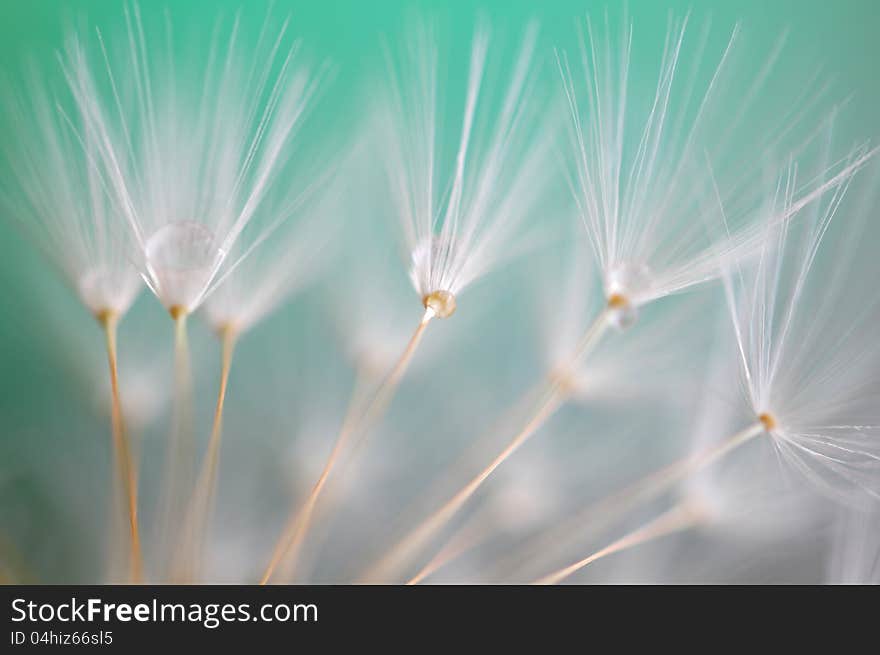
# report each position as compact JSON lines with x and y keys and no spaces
{"x":807,"y":379}
{"x":190,"y":157}
{"x":780,"y":380}
{"x":62,"y":205}
{"x":172,"y":165}
{"x":627,"y":235}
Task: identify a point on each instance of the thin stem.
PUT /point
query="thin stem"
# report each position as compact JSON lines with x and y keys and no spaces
{"x":679,"y":518}
{"x":199,"y":512}
{"x":469,"y":536}
{"x":555,"y":395}
{"x":127,"y":470}
{"x":476,"y":449}
{"x":288,"y":545}
{"x":181,"y":449}
{"x":385,"y":393}
{"x":645,"y":490}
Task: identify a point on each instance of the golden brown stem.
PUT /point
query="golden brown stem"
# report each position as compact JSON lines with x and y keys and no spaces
{"x":431,"y":525}
{"x":553,"y":398}
{"x":127,"y":469}
{"x":472,"y":534}
{"x":199,"y":512}
{"x":208,"y":478}
{"x":181,"y":447}
{"x":295,"y":531}
{"x":679,"y":518}
{"x":386,"y":391}
{"x":645,"y":490}
{"x":288,"y":545}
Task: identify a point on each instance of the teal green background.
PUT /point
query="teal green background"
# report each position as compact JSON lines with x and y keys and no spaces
{"x":52,"y":464}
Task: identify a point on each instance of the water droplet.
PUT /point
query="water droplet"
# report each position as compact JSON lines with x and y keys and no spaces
{"x":441,"y":302}
{"x":182,"y":257}
{"x":622,"y":284}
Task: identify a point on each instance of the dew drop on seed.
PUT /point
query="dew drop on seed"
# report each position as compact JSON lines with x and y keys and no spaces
{"x":441,"y":302}
{"x":623,"y":317}
{"x":182,"y":257}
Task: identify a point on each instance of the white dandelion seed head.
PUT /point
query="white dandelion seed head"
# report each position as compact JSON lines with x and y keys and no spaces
{"x":190,"y":144}
{"x":102,"y":289}
{"x":743,"y":494}
{"x":459,"y":210}
{"x":55,"y":192}
{"x":806,"y":341}
{"x":647,"y":169}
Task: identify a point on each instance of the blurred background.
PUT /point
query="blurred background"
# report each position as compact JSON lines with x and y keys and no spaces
{"x":293,"y":374}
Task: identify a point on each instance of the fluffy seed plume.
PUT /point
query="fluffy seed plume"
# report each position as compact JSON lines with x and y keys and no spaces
{"x":459,"y":210}
{"x":806,"y":342}
{"x":56,"y":194}
{"x":191,"y":146}
{"x":643,"y":171}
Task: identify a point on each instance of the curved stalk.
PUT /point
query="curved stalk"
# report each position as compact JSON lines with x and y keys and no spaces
{"x":288,"y":545}
{"x":181,"y":447}
{"x":127,"y":469}
{"x":469,"y":536}
{"x":644,"y":490}
{"x":679,"y":518}
{"x":201,"y":504}
{"x":555,"y":395}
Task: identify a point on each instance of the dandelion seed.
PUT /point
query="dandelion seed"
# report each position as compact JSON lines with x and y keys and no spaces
{"x":807,"y":385}
{"x":648,"y":224}
{"x":61,"y":202}
{"x":644,"y":169}
{"x":459,"y":215}
{"x":806,"y":348}
{"x":190,"y":153}
{"x":455,"y":235}
{"x":649,"y":366}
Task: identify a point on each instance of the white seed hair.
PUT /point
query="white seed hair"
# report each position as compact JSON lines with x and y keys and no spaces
{"x":807,"y":344}
{"x":58,"y":197}
{"x":192,"y":155}
{"x":459,"y":214}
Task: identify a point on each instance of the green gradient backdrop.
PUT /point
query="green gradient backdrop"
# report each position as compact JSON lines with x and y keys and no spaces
{"x":843,"y":34}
